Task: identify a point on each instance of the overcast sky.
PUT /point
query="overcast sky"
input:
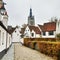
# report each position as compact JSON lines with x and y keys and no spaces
{"x":43,"y":10}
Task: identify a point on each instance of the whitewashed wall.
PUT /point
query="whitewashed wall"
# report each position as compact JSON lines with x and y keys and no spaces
{"x":57,"y":27}
{"x":16,"y":35}
{"x":2,"y":39}
{"x":27,"y":32}
{"x":38,"y":36}
{"x":49,"y":36}
{"x":9,"y":40}
{"x":4,"y":19}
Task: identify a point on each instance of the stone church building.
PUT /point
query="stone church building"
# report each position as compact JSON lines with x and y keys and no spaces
{"x":31,"y":20}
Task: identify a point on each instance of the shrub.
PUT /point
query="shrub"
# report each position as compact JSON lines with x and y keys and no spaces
{"x":58,"y":35}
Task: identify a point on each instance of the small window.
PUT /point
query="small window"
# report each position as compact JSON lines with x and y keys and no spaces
{"x":15,"y":31}
{"x":32,"y":34}
{"x":44,"y":33}
{"x":51,"y":33}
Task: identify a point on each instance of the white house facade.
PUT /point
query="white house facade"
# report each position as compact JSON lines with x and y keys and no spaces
{"x":16,"y":35}
{"x":32,"y":32}
{"x":57,"y":26}
{"x":27,"y":32}
{"x":5,"y":36}
{"x":2,"y":39}
{"x":48,"y":35}
{"x":5,"y":39}
{"x":50,"y":29}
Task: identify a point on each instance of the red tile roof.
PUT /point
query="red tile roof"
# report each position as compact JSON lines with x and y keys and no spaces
{"x":41,"y":27}
{"x":36,"y":29}
{"x":50,"y":26}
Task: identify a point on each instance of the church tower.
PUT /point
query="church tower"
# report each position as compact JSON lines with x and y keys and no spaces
{"x":3,"y":13}
{"x":31,"y":20}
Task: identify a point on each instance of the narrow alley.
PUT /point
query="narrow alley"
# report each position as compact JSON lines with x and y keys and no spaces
{"x":19,"y":52}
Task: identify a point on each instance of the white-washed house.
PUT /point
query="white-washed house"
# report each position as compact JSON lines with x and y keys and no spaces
{"x":2,"y":37}
{"x":32,"y":32}
{"x":16,"y":35}
{"x":4,"y":40}
{"x":50,"y":29}
{"x":27,"y":32}
{"x":3,"y":30}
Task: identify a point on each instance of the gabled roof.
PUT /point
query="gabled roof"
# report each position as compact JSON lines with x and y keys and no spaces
{"x":50,"y":26}
{"x":1,"y":24}
{"x":41,"y":27}
{"x":11,"y":29}
{"x":22,"y":30}
{"x":36,"y":29}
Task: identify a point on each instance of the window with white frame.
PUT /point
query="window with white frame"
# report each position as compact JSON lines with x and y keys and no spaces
{"x":32,"y":34}
{"x":51,"y":33}
{"x":3,"y":38}
{"x":44,"y":33}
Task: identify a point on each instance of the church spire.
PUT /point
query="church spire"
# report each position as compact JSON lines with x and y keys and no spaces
{"x":30,"y":12}
{"x":31,"y":20}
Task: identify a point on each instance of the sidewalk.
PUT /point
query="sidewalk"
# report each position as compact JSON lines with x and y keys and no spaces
{"x":10,"y":54}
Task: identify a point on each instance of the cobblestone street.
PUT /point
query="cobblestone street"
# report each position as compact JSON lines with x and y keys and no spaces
{"x":19,"y":52}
